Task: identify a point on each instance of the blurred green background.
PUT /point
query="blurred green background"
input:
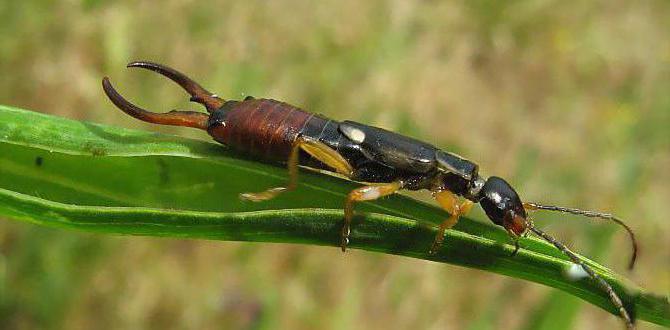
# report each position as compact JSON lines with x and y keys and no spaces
{"x":569,"y":101}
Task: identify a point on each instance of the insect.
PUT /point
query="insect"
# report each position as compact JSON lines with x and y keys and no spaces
{"x":384,"y":161}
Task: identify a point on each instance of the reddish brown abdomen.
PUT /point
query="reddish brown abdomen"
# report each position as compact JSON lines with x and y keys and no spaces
{"x":260,"y":127}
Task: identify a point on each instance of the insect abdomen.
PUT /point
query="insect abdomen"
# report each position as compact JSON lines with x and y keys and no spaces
{"x":261,"y":127}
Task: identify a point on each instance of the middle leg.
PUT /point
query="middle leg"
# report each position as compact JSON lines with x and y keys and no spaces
{"x":366,"y":193}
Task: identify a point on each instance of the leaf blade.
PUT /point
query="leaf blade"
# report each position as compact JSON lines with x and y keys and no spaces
{"x":113,"y":180}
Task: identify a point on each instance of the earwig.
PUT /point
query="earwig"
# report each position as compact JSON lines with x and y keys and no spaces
{"x":385,"y":161}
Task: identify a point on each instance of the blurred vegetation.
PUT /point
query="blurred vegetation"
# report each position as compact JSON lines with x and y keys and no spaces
{"x":568,"y":100}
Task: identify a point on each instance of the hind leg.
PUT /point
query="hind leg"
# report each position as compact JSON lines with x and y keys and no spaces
{"x":317,"y":150}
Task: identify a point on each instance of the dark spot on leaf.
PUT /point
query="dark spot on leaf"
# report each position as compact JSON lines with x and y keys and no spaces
{"x":95,"y":150}
{"x":38,"y":161}
{"x":163,"y":172}
{"x":98,"y":152}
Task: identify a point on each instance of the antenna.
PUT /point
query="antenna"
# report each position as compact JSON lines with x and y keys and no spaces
{"x":577,"y":260}
{"x":591,"y":214}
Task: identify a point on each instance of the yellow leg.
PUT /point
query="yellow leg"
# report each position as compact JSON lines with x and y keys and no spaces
{"x":366,"y":193}
{"x":449,"y":203}
{"x":317,"y":150}
{"x":325,"y":155}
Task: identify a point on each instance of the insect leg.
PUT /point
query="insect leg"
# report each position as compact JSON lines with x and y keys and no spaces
{"x":317,"y":150}
{"x":366,"y":193}
{"x":449,"y":203}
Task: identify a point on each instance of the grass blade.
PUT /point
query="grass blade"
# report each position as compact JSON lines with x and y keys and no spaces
{"x":69,"y":174}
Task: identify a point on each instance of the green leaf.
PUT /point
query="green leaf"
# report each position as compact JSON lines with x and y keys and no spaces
{"x":69,"y":174}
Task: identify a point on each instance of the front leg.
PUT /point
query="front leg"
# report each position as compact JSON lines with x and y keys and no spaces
{"x":449,"y":203}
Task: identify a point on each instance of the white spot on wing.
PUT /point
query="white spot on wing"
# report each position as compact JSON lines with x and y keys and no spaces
{"x":354,"y":134}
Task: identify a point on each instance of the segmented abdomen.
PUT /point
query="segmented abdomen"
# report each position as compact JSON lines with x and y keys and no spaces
{"x":260,"y":127}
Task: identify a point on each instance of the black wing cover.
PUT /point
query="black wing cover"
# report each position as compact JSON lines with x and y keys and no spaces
{"x":391,"y":149}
